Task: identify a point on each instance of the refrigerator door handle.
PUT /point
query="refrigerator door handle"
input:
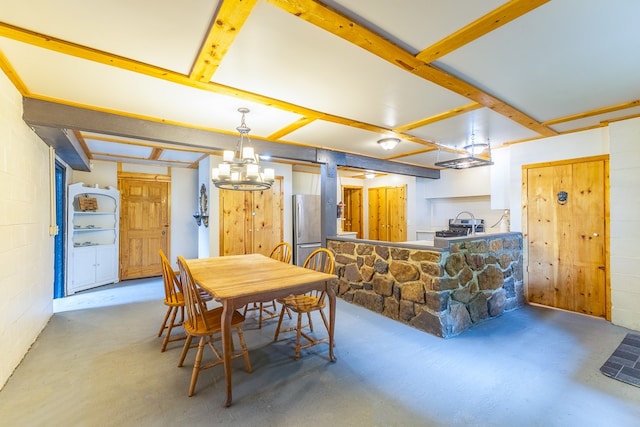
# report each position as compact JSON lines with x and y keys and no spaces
{"x":298,"y":213}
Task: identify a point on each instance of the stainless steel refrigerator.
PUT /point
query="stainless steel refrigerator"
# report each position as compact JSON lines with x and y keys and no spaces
{"x":306,"y":226}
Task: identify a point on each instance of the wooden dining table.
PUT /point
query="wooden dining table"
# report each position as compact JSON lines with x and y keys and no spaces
{"x":236,"y":280}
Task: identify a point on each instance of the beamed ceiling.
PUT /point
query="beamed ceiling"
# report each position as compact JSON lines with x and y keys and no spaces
{"x":160,"y":81}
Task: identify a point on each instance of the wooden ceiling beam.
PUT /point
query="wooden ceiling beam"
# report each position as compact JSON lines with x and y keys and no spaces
{"x":334,"y":22}
{"x":438,"y":117}
{"x":478,"y":28}
{"x":225,"y":27}
{"x":301,"y":122}
{"x":592,"y":113}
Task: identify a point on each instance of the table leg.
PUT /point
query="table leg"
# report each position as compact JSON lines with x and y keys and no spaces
{"x":332,"y":319}
{"x":227,"y":314}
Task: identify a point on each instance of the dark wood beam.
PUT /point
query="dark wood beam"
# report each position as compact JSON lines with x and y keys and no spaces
{"x":67,"y":146}
{"x":48,"y":116}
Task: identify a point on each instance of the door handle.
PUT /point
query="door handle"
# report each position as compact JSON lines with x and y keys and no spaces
{"x":601,"y":267}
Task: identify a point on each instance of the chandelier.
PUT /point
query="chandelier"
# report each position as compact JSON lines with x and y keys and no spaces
{"x":240,"y":169}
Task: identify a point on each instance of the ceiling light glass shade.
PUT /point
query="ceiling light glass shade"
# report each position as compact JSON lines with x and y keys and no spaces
{"x":388,"y":143}
{"x":476,"y":148}
{"x":240,"y":169}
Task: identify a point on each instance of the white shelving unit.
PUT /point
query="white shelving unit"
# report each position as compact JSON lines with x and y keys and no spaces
{"x":92,"y":237}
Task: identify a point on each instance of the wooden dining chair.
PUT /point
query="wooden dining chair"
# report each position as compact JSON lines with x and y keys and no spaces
{"x":207,"y":325}
{"x":267,"y":310}
{"x":319,"y":260}
{"x":173,"y":299}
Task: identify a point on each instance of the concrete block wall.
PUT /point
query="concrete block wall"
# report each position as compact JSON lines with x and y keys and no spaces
{"x":624,"y":175}
{"x":26,"y":249}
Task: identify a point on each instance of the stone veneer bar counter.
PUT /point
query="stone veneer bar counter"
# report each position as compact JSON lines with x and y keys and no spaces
{"x":443,"y":289}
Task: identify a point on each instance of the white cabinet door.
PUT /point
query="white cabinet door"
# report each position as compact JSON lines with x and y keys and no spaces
{"x":106,"y":264}
{"x":84,"y":267}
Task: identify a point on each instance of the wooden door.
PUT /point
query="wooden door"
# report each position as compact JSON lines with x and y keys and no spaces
{"x":565,"y":216}
{"x":266,"y":219}
{"x":377,"y":208}
{"x":251,"y":221}
{"x":396,"y":214}
{"x":144,"y":223}
{"x":234,"y":222}
{"x":387,"y":214}
{"x":352,"y":199}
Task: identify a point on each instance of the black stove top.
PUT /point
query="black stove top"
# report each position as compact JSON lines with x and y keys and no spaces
{"x":452,"y":233}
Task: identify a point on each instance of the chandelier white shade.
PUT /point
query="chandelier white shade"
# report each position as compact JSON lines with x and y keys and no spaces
{"x":240,"y":169}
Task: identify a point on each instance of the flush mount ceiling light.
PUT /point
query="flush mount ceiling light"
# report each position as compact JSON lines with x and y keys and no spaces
{"x":388,"y":143}
{"x":240,"y":169}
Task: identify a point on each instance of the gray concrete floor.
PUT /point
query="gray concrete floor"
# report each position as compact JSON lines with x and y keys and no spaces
{"x":98,"y":363}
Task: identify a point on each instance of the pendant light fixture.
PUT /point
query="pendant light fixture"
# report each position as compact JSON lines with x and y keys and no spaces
{"x":240,"y":169}
{"x":472,"y":160}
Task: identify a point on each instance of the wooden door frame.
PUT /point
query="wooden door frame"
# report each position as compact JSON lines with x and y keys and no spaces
{"x":607,"y":219}
{"x":361,"y":194}
{"x":139,"y":176}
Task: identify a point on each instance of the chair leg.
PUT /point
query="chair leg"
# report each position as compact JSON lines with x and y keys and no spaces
{"x":164,"y":322}
{"x":245,"y":352}
{"x":169,"y":328}
{"x":284,"y":307}
{"x":298,"y":333}
{"x":310,"y":322}
{"x":196,"y":366}
{"x":185,"y":349}
{"x":324,"y":319}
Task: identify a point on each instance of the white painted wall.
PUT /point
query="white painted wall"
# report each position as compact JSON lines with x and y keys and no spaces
{"x":208,"y":236}
{"x":625,"y":222}
{"x":184,"y":231}
{"x":456,"y":191}
{"x":26,"y":248}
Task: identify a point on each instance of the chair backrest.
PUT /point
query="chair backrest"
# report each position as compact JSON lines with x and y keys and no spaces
{"x":193,"y":303}
{"x":282,"y":252}
{"x":321,"y":260}
{"x":172,"y":285}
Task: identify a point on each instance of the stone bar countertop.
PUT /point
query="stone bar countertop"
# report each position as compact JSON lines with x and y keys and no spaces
{"x":442,"y":287}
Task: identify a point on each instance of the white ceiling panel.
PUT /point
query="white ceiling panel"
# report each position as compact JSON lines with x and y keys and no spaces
{"x":595,"y":120}
{"x":127,"y":150}
{"x":183,"y":156}
{"x":483,"y":123}
{"x":561,"y":59}
{"x":294,"y":66}
{"x":81,"y":81}
{"x":417,"y":24}
{"x":334,"y":136}
{"x":164,"y":33}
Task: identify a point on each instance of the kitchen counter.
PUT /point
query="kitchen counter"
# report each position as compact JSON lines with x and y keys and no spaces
{"x":442,"y":287}
{"x":348,"y":234}
{"x":444,"y":242}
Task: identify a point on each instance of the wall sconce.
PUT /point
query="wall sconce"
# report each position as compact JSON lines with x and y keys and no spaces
{"x":201,"y":216}
{"x":198,"y":218}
